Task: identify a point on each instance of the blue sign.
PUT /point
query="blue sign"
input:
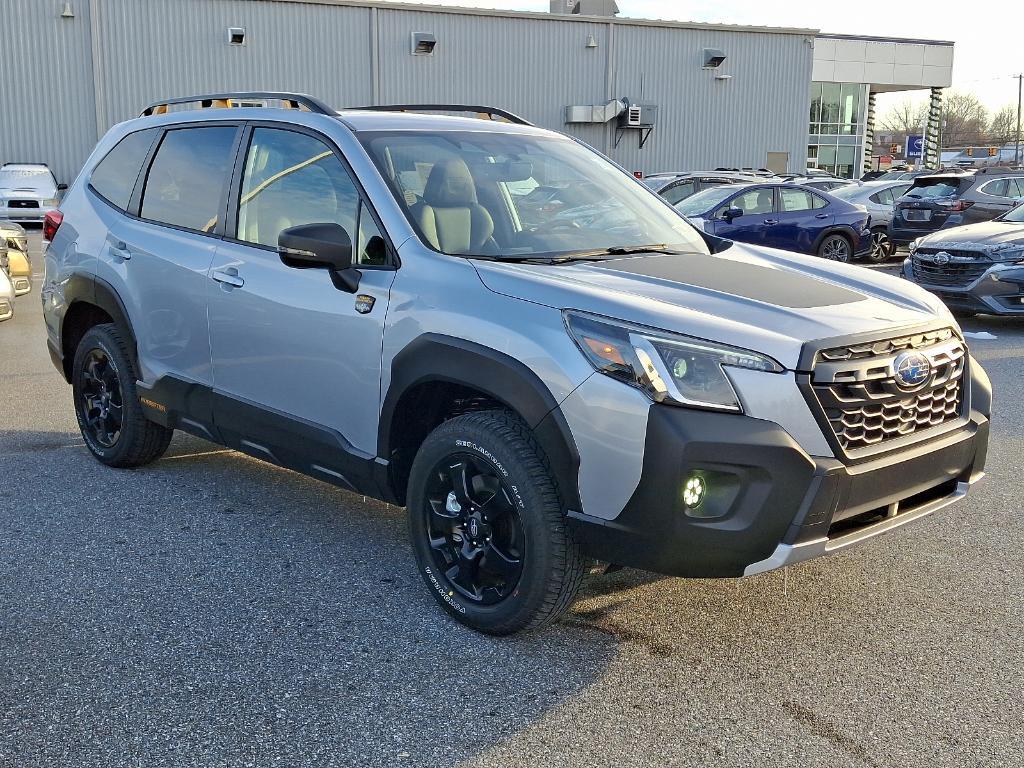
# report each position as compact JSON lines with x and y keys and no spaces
{"x":915,"y":146}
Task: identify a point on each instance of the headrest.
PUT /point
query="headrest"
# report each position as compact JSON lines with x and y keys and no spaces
{"x":449,"y":185}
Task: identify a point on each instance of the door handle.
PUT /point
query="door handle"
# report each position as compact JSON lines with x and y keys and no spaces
{"x":228,"y":276}
{"x":771,"y":221}
{"x":120,"y":250}
{"x":821,"y":215}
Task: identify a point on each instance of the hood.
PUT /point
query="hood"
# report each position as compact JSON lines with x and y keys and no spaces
{"x":757,"y":298}
{"x":984,"y":236}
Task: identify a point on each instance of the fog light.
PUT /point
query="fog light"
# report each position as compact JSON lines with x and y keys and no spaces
{"x":693,"y":491}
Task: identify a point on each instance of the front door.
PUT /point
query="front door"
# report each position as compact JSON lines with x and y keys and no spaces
{"x":757,"y":206}
{"x":296,"y":360}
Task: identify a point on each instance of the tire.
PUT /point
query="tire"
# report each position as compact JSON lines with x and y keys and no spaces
{"x":836,"y":247}
{"x":521,"y":520}
{"x":882,"y":248}
{"x":103,"y":385}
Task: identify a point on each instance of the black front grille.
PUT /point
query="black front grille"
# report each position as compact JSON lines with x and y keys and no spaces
{"x":22,"y":203}
{"x":864,"y":424}
{"x":856,"y":388}
{"x":961,"y":268}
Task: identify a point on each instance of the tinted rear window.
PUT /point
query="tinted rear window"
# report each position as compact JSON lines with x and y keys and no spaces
{"x":929,"y":187}
{"x":185,"y":182}
{"x":115,"y":176}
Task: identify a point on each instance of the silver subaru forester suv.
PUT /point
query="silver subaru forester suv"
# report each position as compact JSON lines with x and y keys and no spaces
{"x":357,"y":295}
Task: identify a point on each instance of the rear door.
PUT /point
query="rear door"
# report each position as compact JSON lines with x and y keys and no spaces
{"x":162,"y":256}
{"x":297,"y":360}
{"x":802,"y":216}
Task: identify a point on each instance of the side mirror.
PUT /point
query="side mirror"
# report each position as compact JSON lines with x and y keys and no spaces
{"x":325,"y":246}
{"x":732,"y":213}
{"x":62,"y":187}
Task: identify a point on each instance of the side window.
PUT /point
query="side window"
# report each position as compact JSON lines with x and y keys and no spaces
{"x":900,"y":191}
{"x":371,"y":248}
{"x":793,"y":200}
{"x":186,"y":179}
{"x":755,"y":201}
{"x":882,"y":198}
{"x":817,"y":201}
{"x":678,"y":192}
{"x":291,"y":179}
{"x":995,"y":188}
{"x":1017,"y":183}
{"x":115,"y":176}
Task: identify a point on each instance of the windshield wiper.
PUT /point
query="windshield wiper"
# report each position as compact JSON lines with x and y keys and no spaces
{"x":592,"y":255}
{"x":618,"y":250}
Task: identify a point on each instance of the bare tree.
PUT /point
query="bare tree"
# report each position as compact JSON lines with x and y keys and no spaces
{"x":1003,"y":127}
{"x":904,"y":118}
{"x":965,"y":120}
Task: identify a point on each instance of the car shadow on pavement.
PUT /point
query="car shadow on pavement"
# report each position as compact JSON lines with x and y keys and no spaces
{"x":212,"y":606}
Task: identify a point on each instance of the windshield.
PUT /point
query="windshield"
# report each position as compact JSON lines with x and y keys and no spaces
{"x":705,"y":200}
{"x":506,"y":195}
{"x":27,"y":177}
{"x":1016,"y":215}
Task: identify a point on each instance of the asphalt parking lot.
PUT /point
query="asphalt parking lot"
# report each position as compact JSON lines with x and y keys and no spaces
{"x":211,"y":610}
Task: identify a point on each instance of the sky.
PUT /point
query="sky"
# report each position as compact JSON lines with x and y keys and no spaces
{"x":988,"y":48}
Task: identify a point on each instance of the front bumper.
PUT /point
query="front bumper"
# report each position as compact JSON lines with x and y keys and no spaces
{"x":998,"y":291}
{"x":768,"y":503}
{"x":24,"y":215}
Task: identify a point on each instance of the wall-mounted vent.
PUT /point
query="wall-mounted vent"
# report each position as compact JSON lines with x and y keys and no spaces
{"x":236,"y":35}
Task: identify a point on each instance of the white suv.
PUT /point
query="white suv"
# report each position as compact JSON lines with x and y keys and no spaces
{"x":356,"y":295}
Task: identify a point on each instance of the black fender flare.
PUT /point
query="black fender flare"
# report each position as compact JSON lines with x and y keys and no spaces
{"x":436,"y":357}
{"x":89,"y":289}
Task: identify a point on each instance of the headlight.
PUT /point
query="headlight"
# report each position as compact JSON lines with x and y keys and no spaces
{"x":913,"y":245}
{"x":669,"y":368}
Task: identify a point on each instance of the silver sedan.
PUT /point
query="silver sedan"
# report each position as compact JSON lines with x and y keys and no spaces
{"x":878,"y":198}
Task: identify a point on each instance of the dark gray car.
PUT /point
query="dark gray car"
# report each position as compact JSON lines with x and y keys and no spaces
{"x":976,"y":268}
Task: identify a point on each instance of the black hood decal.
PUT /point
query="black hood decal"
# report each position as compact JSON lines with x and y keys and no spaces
{"x":781,"y":287}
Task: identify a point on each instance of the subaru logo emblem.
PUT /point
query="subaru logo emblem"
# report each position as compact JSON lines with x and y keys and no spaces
{"x":942,"y":258}
{"x":911,"y":370}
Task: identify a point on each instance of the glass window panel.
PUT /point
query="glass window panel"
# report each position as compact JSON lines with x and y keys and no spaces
{"x":186,"y":179}
{"x":830,"y":97}
{"x":845,"y":155}
{"x":371,"y":249}
{"x":291,"y":179}
{"x":792,"y":200}
{"x":114,"y":178}
{"x":826,"y":155}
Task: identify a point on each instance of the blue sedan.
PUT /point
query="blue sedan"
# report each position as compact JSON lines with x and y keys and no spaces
{"x":785,"y":216}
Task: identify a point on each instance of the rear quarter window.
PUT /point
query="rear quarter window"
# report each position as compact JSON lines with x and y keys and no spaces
{"x":115,"y":175}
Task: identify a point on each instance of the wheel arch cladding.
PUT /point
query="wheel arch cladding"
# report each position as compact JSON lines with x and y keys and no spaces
{"x":436,"y":377}
{"x":91,"y":301}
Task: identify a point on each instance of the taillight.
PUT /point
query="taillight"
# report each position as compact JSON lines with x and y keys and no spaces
{"x":51,"y":224}
{"x":957,"y":205}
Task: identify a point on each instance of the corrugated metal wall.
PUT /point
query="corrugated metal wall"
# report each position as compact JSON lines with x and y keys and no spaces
{"x":47,"y":109}
{"x":143,"y":50}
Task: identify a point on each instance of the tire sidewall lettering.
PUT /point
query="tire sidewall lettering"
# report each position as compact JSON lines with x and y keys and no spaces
{"x":489,"y":455}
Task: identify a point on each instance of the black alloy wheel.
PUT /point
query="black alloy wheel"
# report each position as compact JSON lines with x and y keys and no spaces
{"x":107,"y":404}
{"x":475,"y":531}
{"x":101,"y":402}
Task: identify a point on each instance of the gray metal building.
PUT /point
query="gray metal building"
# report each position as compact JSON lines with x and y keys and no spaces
{"x":84,"y":65}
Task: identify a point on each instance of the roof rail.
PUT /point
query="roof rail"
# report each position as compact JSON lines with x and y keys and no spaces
{"x":490,"y":112}
{"x":223,"y":101}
